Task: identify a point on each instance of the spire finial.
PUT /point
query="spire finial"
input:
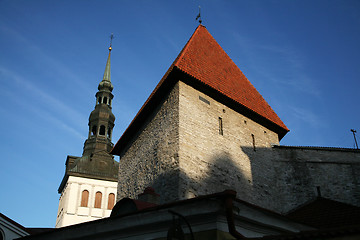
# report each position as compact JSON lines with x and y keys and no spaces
{"x":199,"y":16}
{"x":106,"y":82}
{"x":111,"y":38}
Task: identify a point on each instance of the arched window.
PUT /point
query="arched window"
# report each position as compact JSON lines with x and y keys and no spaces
{"x":93,"y":130}
{"x":105,"y":100}
{"x":98,"y":197}
{"x":111,"y":201}
{"x":109,"y":133}
{"x":99,"y":100}
{"x":84,"y":198}
{"x":102,"y":130}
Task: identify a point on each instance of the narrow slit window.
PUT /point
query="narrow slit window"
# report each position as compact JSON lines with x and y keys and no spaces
{"x":253,"y":141}
{"x":221,"y":132}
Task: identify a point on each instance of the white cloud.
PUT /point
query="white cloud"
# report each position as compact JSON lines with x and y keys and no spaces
{"x":306,"y":116}
{"x":282,"y":65}
{"x":45,"y":61}
{"x":47,"y":101}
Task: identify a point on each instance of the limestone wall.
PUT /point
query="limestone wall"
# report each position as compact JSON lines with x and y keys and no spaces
{"x":192,"y":145}
{"x":211,"y":160}
{"x":152,"y":159}
{"x":274,"y":178}
{"x":301,"y":170}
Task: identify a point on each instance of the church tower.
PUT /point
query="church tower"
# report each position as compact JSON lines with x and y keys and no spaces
{"x":88,"y":189}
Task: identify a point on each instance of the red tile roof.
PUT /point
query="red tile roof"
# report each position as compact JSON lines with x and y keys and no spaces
{"x":204,"y":60}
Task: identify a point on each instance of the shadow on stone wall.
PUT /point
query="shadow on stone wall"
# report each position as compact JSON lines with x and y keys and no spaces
{"x":275,"y":179}
{"x":278,"y":184}
{"x":286,"y":178}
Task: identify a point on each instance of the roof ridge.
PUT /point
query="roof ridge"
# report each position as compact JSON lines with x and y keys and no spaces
{"x":181,"y":54}
{"x":204,"y":59}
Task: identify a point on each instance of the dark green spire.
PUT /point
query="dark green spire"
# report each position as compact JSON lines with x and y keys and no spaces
{"x":106,"y":82}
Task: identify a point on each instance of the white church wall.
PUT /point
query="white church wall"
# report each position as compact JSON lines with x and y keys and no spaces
{"x":70,"y":209}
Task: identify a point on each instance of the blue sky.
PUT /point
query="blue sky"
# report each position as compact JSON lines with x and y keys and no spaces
{"x":302,"y":56}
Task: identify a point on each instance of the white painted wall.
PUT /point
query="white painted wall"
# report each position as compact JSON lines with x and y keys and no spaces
{"x":70,"y":212}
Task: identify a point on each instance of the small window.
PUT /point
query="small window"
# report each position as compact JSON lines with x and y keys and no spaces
{"x":204,"y":100}
{"x":99,"y":100}
{"x":221,"y":132}
{"x":253,"y":140}
{"x":111,"y":201}
{"x":105,"y":100}
{"x":102,"y":130}
{"x":98,"y":197}
{"x":93,"y":130}
{"x":109,"y":133}
{"x":84,"y":198}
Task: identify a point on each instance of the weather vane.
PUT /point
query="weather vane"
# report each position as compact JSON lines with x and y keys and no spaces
{"x":199,"y":16}
{"x":111,"y":38}
{"x":354,"y":131}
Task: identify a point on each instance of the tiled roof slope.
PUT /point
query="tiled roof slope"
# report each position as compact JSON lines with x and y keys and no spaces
{"x":204,"y":59}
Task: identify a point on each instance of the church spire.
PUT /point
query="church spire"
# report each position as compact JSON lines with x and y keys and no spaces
{"x":101,"y":120}
{"x":106,"y":81}
{"x":107,"y":68}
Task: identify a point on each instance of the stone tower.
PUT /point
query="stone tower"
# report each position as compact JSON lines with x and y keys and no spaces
{"x":189,"y":137}
{"x":88,"y":189}
{"x":205,"y":128}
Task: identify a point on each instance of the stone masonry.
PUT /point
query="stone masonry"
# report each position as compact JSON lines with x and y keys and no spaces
{"x":152,"y":158}
{"x":181,"y":153}
{"x":205,"y":129}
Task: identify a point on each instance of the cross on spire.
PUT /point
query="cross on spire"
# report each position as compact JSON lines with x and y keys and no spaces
{"x":111,"y":38}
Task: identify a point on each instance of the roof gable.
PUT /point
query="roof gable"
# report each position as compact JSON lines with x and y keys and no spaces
{"x":205,"y":60}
